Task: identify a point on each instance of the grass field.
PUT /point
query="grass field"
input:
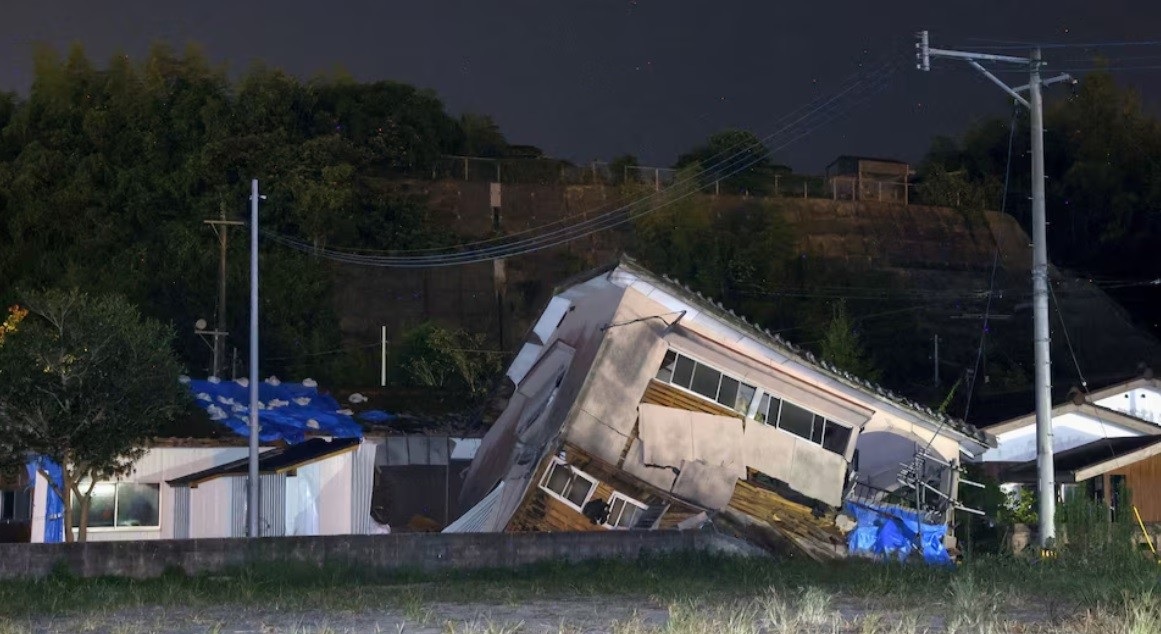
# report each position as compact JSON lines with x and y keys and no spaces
{"x":1080,"y":591}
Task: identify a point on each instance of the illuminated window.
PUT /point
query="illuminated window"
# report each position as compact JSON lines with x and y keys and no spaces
{"x":121,"y":505}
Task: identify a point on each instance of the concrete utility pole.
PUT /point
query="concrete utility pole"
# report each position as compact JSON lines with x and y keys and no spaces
{"x":221,"y":228}
{"x":252,"y":483}
{"x":1044,"y":458}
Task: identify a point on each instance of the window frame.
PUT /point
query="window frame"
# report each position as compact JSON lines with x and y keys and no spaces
{"x":722,"y":375}
{"x":826,"y":423}
{"x":576,"y":473}
{"x":116,"y":507}
{"x":617,"y":495}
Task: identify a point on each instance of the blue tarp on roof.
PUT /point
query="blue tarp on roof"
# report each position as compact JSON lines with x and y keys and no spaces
{"x":286,"y":411}
{"x":889,"y":531}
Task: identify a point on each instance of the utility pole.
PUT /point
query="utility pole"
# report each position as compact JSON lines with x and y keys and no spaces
{"x":1044,"y":459}
{"x":221,"y":228}
{"x":252,"y":483}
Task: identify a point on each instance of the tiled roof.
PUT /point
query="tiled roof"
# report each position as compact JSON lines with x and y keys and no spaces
{"x":779,"y":343}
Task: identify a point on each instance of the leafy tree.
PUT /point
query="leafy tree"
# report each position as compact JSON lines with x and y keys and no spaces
{"x":619,"y":168}
{"x":731,"y":150}
{"x":482,"y":136}
{"x":434,"y":356}
{"x":842,"y":346}
{"x":87,"y":382}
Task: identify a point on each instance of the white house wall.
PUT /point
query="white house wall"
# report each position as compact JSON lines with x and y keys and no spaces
{"x":1068,"y":431}
{"x":155,"y":467}
{"x":211,"y":509}
{"x":1143,"y":403}
{"x":334,"y":504}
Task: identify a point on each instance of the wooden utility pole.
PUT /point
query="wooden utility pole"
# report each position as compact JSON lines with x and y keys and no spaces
{"x":221,"y":227}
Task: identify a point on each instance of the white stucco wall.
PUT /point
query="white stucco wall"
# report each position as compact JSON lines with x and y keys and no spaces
{"x":1143,"y":403}
{"x":1068,"y":430}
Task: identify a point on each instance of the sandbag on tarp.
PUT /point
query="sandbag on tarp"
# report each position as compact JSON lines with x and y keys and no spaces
{"x":286,"y":411}
{"x":890,"y":532}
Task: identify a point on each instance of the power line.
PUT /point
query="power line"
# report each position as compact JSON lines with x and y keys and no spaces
{"x":817,"y":117}
{"x":604,"y":221}
{"x":983,"y":337}
{"x":739,"y":150}
{"x":1013,"y":45}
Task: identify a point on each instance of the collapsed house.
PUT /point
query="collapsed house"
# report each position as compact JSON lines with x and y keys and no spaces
{"x":638,"y":404}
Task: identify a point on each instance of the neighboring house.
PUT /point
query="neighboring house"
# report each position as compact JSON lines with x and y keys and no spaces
{"x":639,"y":404}
{"x":1074,"y":424}
{"x":15,"y":509}
{"x":864,"y":178}
{"x":1103,"y":443}
{"x":196,"y":488}
{"x":318,"y":474}
{"x":1102,"y":470}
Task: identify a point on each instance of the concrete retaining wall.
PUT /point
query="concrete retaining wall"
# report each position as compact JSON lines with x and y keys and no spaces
{"x":414,"y":551}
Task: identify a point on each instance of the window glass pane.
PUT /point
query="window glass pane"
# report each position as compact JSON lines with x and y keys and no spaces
{"x":628,"y":516}
{"x":729,"y":392}
{"x":705,"y":381}
{"x":666,"y":371}
{"x":760,"y":415}
{"x":615,"y":509}
{"x":579,"y":490}
{"x":683,"y":371}
{"x":836,"y":438}
{"x":100,"y":508}
{"x":137,"y":504}
{"x":796,"y":420}
{"x":557,"y":479}
{"x":816,"y":433}
{"x":744,"y":398}
{"x":7,"y":505}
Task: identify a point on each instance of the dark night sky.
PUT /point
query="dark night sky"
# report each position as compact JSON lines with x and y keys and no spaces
{"x":593,"y":79}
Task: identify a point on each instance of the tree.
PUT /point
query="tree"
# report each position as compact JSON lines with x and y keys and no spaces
{"x":619,"y":168}
{"x":732,"y":151}
{"x":434,"y":356}
{"x":842,"y":346}
{"x":86,"y":381}
{"x":482,"y":136}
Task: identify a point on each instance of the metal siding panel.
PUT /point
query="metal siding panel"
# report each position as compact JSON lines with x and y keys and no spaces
{"x":238,"y":507}
{"x":362,"y":481}
{"x":397,"y":451}
{"x":181,"y":512}
{"x":417,"y":451}
{"x":438,"y":450}
{"x":272,"y":505}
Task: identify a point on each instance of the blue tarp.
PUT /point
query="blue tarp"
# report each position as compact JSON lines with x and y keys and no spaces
{"x":54,"y":512}
{"x":890,"y":531}
{"x":286,"y":411}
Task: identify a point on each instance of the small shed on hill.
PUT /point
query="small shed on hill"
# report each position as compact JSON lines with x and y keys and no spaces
{"x":867,"y":178}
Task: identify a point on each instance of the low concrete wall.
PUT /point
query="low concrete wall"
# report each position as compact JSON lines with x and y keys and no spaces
{"x":414,"y":551}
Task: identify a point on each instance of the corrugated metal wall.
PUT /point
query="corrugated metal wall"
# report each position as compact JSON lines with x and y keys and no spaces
{"x":181,"y":512}
{"x":362,"y":482}
{"x":237,"y":507}
{"x":272,"y":505}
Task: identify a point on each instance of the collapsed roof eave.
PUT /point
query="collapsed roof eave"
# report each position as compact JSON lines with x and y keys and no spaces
{"x":905,"y":408}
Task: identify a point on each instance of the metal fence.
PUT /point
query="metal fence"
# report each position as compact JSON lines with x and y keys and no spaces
{"x":546,"y":171}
